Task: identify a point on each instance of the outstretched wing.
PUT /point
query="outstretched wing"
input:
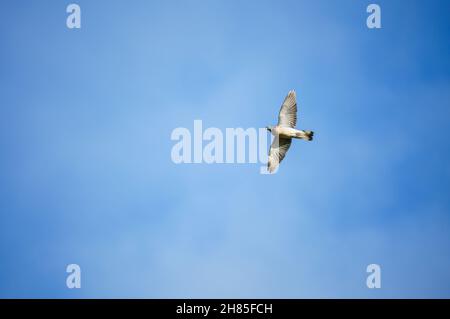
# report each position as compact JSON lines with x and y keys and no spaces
{"x":288,"y":112}
{"x":277,"y":152}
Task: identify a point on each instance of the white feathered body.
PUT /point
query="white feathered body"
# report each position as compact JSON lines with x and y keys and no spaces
{"x":289,"y":132}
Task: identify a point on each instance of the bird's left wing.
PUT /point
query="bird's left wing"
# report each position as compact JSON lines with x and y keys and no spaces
{"x":288,"y":112}
{"x":277,"y":152}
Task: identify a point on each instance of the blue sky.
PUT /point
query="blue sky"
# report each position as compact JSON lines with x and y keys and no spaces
{"x":86,"y":175}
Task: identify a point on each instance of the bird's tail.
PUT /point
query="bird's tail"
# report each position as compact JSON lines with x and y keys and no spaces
{"x":306,"y":135}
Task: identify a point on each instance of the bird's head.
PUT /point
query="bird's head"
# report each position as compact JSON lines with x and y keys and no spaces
{"x":269,"y":128}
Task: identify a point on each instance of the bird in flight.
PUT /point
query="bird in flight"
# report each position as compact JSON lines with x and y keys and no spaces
{"x":285,"y":131}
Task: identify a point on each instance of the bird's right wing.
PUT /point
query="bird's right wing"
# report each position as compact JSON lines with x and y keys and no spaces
{"x":277,"y":152}
{"x":288,"y":112}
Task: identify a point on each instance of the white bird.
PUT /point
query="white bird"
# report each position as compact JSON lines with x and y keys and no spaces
{"x":285,"y":131}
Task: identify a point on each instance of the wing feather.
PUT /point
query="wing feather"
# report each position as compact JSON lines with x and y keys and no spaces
{"x":288,"y":112}
{"x":277,"y":152}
